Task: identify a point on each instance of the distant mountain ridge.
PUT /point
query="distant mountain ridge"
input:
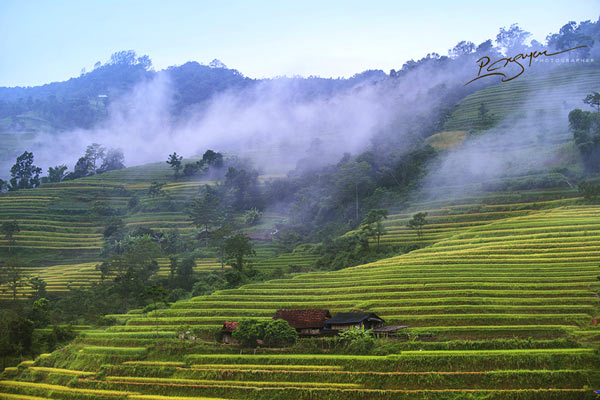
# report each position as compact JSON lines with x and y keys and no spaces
{"x":82,"y":101}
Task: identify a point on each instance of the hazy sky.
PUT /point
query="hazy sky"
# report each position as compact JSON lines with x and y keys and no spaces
{"x":51,"y":40}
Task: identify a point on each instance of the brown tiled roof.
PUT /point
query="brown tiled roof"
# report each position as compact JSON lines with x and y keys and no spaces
{"x":229,"y":326}
{"x":301,"y":319}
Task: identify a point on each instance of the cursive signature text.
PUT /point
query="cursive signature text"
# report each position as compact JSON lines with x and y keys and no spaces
{"x":492,"y":69}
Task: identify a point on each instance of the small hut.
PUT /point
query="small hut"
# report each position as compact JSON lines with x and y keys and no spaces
{"x":388,"y":331}
{"x":349,"y":320}
{"x":305,"y":322}
{"x":227,"y":332}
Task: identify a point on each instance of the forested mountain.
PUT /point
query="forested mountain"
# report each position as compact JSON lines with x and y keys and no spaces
{"x":83,"y":101}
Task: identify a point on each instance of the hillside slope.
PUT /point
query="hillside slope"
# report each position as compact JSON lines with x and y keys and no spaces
{"x":525,"y":144}
{"x":499,"y":310}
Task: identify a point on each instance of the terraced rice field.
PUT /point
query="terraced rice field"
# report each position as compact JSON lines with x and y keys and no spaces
{"x":448,"y":220}
{"x":546,"y":265}
{"x":511,"y":98}
{"x":60,"y":236}
{"x":529,"y":141}
{"x":61,"y":229}
{"x":203,"y":265}
{"x":59,"y":278}
{"x":502,"y":306}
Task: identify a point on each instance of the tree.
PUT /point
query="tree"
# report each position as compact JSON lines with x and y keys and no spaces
{"x":145,"y":62}
{"x":38,"y":288}
{"x":114,"y":227}
{"x":40,"y":313}
{"x":252,"y":216}
{"x":24,"y":174}
{"x":279,"y":333}
{"x":217,"y":64}
{"x":57,"y":174}
{"x":593,"y":99}
{"x":113,"y":160}
{"x":512,"y":40}
{"x":585,"y":126}
{"x":124,"y":57}
{"x":462,"y":48}
{"x":12,"y":275}
{"x":590,"y":191}
{"x":373,"y":223}
{"x":174,"y":162}
{"x":185,"y":272}
{"x":237,"y":249}
{"x":353,"y":182}
{"x":93,"y":153}
{"x":218,"y":237}
{"x":16,"y":335}
{"x":206,"y":211}
{"x":132,"y":267}
{"x":485,"y":118}
{"x":8,"y":229}
{"x":484,"y":47}
{"x":243,"y":188}
{"x":417,"y":222}
{"x":158,"y":295}
{"x":191,"y":169}
{"x":249,"y":332}
{"x":571,"y":35}
{"x":171,"y":241}
{"x":82,"y":168}
{"x":3,"y":185}
{"x":173,"y":266}
{"x":212,"y":159}
{"x":155,"y":189}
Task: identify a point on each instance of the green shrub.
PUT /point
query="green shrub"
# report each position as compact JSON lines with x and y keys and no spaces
{"x":279,"y":333}
{"x":249,"y":332}
{"x":356,"y":341}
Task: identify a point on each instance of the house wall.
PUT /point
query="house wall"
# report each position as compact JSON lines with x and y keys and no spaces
{"x":345,"y":327}
{"x":309,"y":331}
{"x":372,"y":325}
{"x":366,"y":325}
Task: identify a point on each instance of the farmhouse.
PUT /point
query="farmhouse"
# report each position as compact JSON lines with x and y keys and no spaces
{"x":227,"y":331}
{"x":349,"y":320}
{"x":306,"y":322}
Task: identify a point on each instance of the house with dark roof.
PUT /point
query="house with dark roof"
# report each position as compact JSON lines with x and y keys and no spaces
{"x":306,"y":322}
{"x":349,"y":320}
{"x":227,"y":332}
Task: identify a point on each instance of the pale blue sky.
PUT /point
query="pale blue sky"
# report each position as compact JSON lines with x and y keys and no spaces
{"x":50,"y":40}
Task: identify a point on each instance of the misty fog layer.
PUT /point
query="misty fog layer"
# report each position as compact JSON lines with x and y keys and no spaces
{"x":534,"y":139}
{"x":275,"y":122}
{"x":265,"y":123}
